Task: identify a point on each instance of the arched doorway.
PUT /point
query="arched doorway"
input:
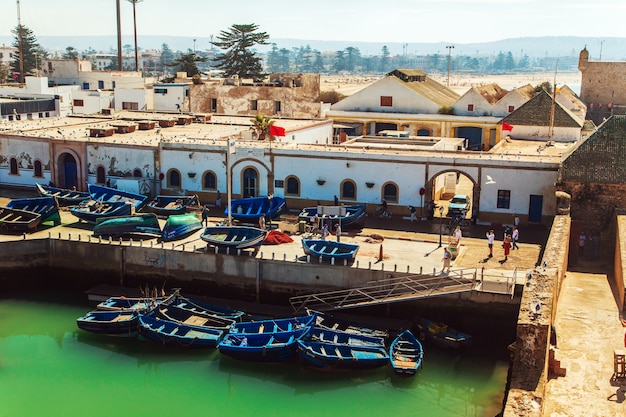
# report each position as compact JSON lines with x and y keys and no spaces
{"x":67,"y":171}
{"x":250,"y":183}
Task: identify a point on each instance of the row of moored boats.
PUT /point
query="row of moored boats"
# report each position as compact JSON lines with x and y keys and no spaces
{"x":316,"y":339}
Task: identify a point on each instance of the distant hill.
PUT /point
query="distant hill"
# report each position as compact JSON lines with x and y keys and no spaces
{"x":608,"y":49}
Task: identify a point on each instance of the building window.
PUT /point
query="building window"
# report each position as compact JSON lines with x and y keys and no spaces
{"x":423,"y":132}
{"x":13,"y":168}
{"x":173,"y":178}
{"x":278,"y":106}
{"x":49,"y":66}
{"x":100,"y":175}
{"x":113,"y":84}
{"x":253,"y":105}
{"x":209,"y":181}
{"x":279,"y":184}
{"x":85,"y":86}
{"x":101,"y":84}
{"x":38,"y":169}
{"x":470,"y":107}
{"x":504,"y":199}
{"x":386,"y":101}
{"x":293,"y":186}
{"x":78,"y":103}
{"x":160,"y":91}
{"x":348,"y":190}
{"x":390,"y":192}
{"x":511,"y":108}
{"x":128,"y":105}
{"x":213,"y":105}
{"x":137,"y":173}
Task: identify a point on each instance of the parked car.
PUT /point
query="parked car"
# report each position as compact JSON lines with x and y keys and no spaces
{"x":458,"y":204}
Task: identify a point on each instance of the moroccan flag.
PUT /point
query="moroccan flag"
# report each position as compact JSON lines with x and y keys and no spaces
{"x":277,"y":131}
{"x":506,"y":126}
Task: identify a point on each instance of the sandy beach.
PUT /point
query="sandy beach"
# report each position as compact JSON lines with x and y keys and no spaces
{"x":349,"y":85}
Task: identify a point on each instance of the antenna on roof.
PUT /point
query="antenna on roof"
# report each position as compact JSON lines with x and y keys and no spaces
{"x":553,"y":107}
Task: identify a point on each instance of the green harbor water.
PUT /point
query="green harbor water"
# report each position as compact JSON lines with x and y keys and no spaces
{"x":48,"y":367}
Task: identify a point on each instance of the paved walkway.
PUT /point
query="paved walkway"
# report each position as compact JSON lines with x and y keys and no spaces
{"x":589,"y":329}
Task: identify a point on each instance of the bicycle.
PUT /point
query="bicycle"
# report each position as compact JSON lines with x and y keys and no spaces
{"x":383,"y":213}
{"x":459,"y":221}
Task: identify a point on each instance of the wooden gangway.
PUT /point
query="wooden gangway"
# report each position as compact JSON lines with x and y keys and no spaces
{"x":403,"y":288}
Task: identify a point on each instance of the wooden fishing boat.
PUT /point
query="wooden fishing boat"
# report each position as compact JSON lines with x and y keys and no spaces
{"x":406,"y":354}
{"x":264,"y":347}
{"x":47,"y":207}
{"x":64,"y":196}
{"x":331,"y":322}
{"x":330,"y":249}
{"x":250,"y":209}
{"x":18,"y":221}
{"x":177,"y":226}
{"x":92,"y":210}
{"x":442,"y":335}
{"x":167,"y":205}
{"x":342,"y":338}
{"x":181,"y":315}
{"x":112,"y":195}
{"x":273,"y":325}
{"x":233,"y":237}
{"x":175,"y":334}
{"x":206,"y":308}
{"x":112,"y":323}
{"x":137,"y":224}
{"x":129,"y":303}
{"x":351,"y":216}
{"x":330,"y":356}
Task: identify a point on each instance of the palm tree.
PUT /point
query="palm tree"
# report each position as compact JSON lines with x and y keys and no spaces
{"x":262,"y":127}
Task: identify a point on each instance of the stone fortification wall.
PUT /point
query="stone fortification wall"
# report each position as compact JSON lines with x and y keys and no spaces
{"x":620,"y":259}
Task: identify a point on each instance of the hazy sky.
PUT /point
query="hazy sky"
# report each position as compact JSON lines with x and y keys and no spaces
{"x":459,"y":21}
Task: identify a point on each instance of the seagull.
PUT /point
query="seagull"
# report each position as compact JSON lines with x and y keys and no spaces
{"x":490,"y":180}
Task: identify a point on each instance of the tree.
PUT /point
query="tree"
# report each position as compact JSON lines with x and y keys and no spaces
{"x":70,"y":53}
{"x":167,"y":56}
{"x":384,"y":59}
{"x":29,"y":49}
{"x":187,"y":63}
{"x":239,"y":59}
{"x":261,"y":126}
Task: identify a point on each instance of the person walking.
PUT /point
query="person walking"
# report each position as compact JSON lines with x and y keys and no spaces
{"x":205,"y":216}
{"x":324,"y":232}
{"x":507,"y":247}
{"x":491,"y":237}
{"x":515,"y":237}
{"x":458,"y":234}
{"x":338,"y":232}
{"x":262,"y":222}
{"x":447,"y":256}
{"x":413,"y":215}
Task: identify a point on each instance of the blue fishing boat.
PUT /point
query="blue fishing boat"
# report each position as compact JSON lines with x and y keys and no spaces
{"x":332,"y":322}
{"x":47,"y":207}
{"x":248,"y":210}
{"x":112,"y":323}
{"x":137,"y":224}
{"x":233,"y":237}
{"x":129,"y":303}
{"x":273,"y":325}
{"x":263,"y":347}
{"x":352,"y":216}
{"x":107,"y":202}
{"x":343,"y":338}
{"x":181,"y":315}
{"x":206,"y":308}
{"x":406,"y":354}
{"x":64,"y":196}
{"x":167,"y":205}
{"x":442,"y":335}
{"x":18,"y":221}
{"x":330,"y":356}
{"x":178,"y":226}
{"x":329,"y":249}
{"x":170,"y":333}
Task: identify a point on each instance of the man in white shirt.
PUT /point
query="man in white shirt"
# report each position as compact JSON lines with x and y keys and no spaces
{"x":515,"y":237}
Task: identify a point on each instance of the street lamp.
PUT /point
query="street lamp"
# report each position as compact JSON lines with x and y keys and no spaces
{"x":440,"y":223}
{"x":449,"y":48}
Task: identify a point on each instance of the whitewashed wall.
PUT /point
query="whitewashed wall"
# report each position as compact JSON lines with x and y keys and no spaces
{"x":93,"y":101}
{"x":143,"y":98}
{"x":26,"y":151}
{"x":560,"y":134}
{"x":481,"y":106}
{"x":176,"y":94}
{"x":120,"y":161}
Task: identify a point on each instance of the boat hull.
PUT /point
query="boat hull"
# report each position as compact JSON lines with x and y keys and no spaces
{"x":328,"y":356}
{"x":167,"y":205}
{"x":91,"y":210}
{"x":178,"y":226}
{"x":443,"y":336}
{"x":273,"y":325}
{"x":64,"y":196}
{"x":250,"y":209}
{"x":18,"y":221}
{"x":354,"y":218}
{"x":268,"y":347}
{"x":45,"y":206}
{"x":169,"y":333}
{"x":112,"y":323}
{"x":138,"y":224}
{"x":406,"y":354}
{"x":329,"y":249}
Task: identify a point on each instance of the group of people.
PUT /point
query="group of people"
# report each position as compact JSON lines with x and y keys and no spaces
{"x":509,"y":241}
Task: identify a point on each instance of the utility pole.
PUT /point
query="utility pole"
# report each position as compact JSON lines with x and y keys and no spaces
{"x":119,"y":37}
{"x":134,"y":2}
{"x":449,"y":48}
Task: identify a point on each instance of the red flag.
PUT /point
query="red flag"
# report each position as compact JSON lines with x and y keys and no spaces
{"x":277,"y":131}
{"x":506,"y":126}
